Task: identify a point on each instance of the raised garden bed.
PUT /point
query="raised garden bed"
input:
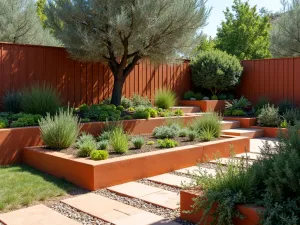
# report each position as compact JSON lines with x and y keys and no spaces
{"x":94,"y":175}
{"x":271,"y":132}
{"x":205,"y":105}
{"x":245,"y":122}
{"x":13,"y":140}
{"x":251,"y":213}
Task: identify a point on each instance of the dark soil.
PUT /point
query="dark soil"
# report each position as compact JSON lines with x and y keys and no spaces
{"x":182,"y":141}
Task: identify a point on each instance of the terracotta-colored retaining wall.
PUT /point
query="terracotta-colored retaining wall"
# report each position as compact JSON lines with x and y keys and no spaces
{"x":277,"y":79}
{"x":21,"y":65}
{"x":186,"y":201}
{"x":14,"y":139}
{"x":205,"y":105}
{"x":94,"y":175}
{"x":271,"y":132}
{"x":244,"y":122}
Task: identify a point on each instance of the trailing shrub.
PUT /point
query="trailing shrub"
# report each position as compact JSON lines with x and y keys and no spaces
{"x":216,"y":71}
{"x":285,"y":105}
{"x":192,"y":135}
{"x":141,"y":114}
{"x":12,"y":102}
{"x":25,"y":120}
{"x":3,"y":122}
{"x":40,"y":99}
{"x":119,"y":141}
{"x":138,"y":100}
{"x":103,"y":145}
{"x":166,"y":143}
{"x":99,"y":155}
{"x":165,"y":98}
{"x":61,"y":130}
{"x":208,"y":122}
{"x":269,"y":116}
{"x":138,"y":142}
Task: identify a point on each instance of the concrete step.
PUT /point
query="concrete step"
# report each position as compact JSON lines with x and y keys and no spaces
{"x":249,"y":155}
{"x":230,"y":124}
{"x":187,"y":109}
{"x":245,"y":132}
{"x":226,"y":161}
{"x":170,"y":180}
{"x":195,"y":170}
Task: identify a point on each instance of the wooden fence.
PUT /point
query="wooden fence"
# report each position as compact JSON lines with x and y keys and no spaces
{"x":22,"y":65}
{"x":276,"y":79}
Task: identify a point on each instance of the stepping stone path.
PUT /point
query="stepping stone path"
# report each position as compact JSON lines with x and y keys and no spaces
{"x":171,"y":180}
{"x":250,"y":155}
{"x":153,"y":195}
{"x":114,"y":212}
{"x":36,"y":215}
{"x":195,"y":170}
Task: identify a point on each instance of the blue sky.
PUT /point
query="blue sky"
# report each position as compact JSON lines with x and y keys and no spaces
{"x":219,"y":6}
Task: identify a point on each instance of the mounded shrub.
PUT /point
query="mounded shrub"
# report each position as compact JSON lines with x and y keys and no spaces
{"x":3,"y":122}
{"x":163,"y":132}
{"x":192,"y":135}
{"x":165,"y":98}
{"x":25,"y":120}
{"x":138,"y":100}
{"x":40,"y":99}
{"x":269,"y":116}
{"x":167,"y":143}
{"x":141,"y":114}
{"x":103,"y":145}
{"x":99,"y":155}
{"x":216,"y":71}
{"x":61,"y":130}
{"x":138,"y":142}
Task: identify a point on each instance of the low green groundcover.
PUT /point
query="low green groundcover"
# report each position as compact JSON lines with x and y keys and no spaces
{"x":21,"y":186}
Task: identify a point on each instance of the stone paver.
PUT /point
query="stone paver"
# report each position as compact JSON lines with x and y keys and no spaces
{"x":249,"y":155}
{"x":257,"y":143}
{"x":36,"y":215}
{"x":113,"y":211}
{"x":225,"y":161}
{"x":171,"y":180}
{"x":245,"y":132}
{"x":195,"y":170}
{"x":154,"y":195}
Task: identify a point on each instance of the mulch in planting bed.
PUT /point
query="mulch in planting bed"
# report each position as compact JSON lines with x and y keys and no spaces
{"x":182,"y":141}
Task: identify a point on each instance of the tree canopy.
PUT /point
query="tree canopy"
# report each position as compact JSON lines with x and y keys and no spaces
{"x":19,"y":23}
{"x":122,"y":32}
{"x":285,"y":33}
{"x":244,"y":33}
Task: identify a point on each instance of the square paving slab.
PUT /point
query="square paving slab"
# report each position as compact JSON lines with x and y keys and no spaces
{"x":114,"y":212}
{"x":154,"y":195}
{"x":225,"y":161}
{"x":249,"y":155}
{"x":195,"y":170}
{"x":170,"y":179}
{"x":36,"y":215}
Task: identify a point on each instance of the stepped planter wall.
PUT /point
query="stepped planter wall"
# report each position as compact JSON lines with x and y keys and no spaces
{"x":245,"y":122}
{"x":13,"y":140}
{"x":93,"y":175}
{"x":205,"y":105}
{"x":272,"y":132}
{"x":251,"y":213}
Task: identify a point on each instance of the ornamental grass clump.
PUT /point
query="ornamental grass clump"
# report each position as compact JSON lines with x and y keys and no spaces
{"x":119,"y":141}
{"x":61,"y":130}
{"x":138,"y":142}
{"x":165,"y":98}
{"x":40,"y":99}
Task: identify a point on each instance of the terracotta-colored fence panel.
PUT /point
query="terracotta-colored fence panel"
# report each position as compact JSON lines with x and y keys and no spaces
{"x":276,"y":79}
{"x":21,"y":65}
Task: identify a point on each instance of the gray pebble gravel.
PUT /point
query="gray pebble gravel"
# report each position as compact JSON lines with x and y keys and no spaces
{"x":74,"y":214}
{"x":162,"y":186}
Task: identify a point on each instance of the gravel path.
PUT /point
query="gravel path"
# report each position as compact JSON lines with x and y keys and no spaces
{"x":162,"y":186}
{"x":166,"y":213}
{"x":74,"y":214}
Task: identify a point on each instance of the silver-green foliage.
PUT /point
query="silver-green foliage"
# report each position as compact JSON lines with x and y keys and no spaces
{"x":138,"y":142}
{"x":19,"y":23}
{"x":61,"y":130}
{"x":269,"y":116}
{"x":285,"y":30}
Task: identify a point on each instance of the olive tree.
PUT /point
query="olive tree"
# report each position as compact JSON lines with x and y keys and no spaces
{"x":19,"y":23}
{"x":285,"y":32}
{"x":122,"y":32}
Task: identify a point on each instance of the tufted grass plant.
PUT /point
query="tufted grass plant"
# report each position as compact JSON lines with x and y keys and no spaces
{"x":61,"y":130}
{"x":119,"y":141}
{"x":165,"y":98}
{"x":138,"y":142}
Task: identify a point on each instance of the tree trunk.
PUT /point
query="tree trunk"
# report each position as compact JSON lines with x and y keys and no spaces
{"x":117,"y":91}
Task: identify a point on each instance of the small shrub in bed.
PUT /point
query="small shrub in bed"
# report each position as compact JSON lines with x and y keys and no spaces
{"x":85,"y":120}
{"x":126,"y":103}
{"x":12,"y":101}
{"x":141,"y":114}
{"x":25,"y":120}
{"x":138,"y":142}
{"x":119,"y":141}
{"x":99,"y":155}
{"x":120,"y":108}
{"x":83,"y":108}
{"x":188,"y":95}
{"x":40,"y":99}
{"x":207,"y":134}
{"x":183,"y":132}
{"x":165,"y":132}
{"x":86,"y":147}
{"x":178,"y":112}
{"x":167,"y":143}
{"x":214,"y":97}
{"x":153,"y":112}
{"x":165,"y":98}
{"x":84,"y":137}
{"x":192,"y":135}
{"x":127,"y":117}
{"x":138,"y":100}
{"x":285,"y":105}
{"x":150,"y":143}
{"x":3,"y":122}
{"x":61,"y":130}
{"x":103,"y":145}
{"x":209,"y":121}
{"x":238,"y":112}
{"x":269,"y":116}
{"x":105,"y":136}
{"x":292,"y":116}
